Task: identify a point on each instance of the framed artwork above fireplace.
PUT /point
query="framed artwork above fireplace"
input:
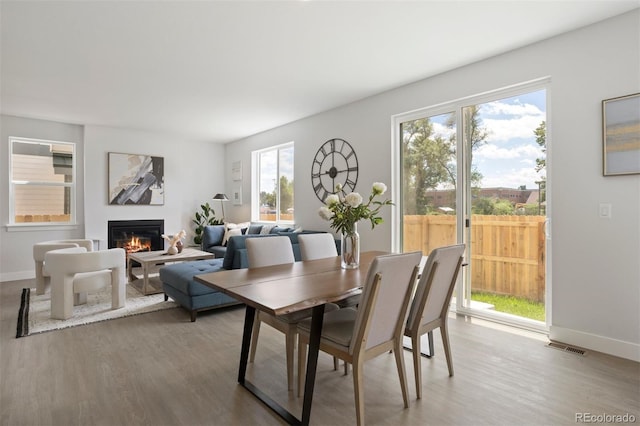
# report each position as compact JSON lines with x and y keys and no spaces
{"x":136,"y":179}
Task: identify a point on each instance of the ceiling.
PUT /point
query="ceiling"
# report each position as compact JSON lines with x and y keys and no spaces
{"x":222,"y":70}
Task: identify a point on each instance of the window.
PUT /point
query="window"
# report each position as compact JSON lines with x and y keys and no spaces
{"x":42,"y":176}
{"x":272,"y":192}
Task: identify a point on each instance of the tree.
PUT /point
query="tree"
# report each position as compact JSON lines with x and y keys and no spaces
{"x":268,"y":198}
{"x":541,"y":163}
{"x":541,"y":140}
{"x":424,"y":156}
{"x":430,"y":158}
{"x":286,"y":194}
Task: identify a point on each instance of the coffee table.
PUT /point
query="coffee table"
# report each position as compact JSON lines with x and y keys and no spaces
{"x":150,"y":261}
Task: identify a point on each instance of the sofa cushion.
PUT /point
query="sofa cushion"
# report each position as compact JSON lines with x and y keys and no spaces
{"x":180,"y":275}
{"x":277,"y":229}
{"x":218,"y":251}
{"x":212,"y":236}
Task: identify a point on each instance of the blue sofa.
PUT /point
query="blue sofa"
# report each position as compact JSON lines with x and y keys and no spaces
{"x":213,"y":235}
{"x":178,"y":279}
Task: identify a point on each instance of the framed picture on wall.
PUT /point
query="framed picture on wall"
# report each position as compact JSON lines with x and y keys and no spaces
{"x":621,"y":135}
{"x":135,"y":179}
{"x":236,"y":195}
{"x":236,"y":170}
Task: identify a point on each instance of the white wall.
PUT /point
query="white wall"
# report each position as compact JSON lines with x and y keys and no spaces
{"x":16,"y":259}
{"x":595,"y":277}
{"x":194,"y":173}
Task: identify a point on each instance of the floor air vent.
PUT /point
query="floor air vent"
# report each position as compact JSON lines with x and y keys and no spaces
{"x":567,"y":348}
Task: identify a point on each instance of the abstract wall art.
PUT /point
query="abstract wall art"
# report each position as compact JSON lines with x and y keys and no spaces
{"x":621,"y":135}
{"x":136,"y":179}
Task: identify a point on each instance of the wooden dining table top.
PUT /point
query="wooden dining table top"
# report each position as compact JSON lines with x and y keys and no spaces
{"x":283,"y":289}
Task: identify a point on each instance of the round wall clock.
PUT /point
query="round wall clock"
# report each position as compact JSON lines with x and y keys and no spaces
{"x":335,"y":163}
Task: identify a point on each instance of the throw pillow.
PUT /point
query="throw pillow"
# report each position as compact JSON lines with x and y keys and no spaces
{"x":228,"y":227}
{"x":232,"y":232}
{"x":254,"y":229}
{"x":266,"y":229}
{"x":212,"y":235}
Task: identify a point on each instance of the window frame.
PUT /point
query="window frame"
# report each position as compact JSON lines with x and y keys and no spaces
{"x":17,"y":226}
{"x":255,"y":183}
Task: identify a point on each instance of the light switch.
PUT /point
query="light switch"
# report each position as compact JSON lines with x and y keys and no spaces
{"x":605,"y":210}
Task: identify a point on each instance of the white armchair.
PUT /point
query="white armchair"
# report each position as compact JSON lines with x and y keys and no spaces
{"x":40,"y":249}
{"x":75,"y":272}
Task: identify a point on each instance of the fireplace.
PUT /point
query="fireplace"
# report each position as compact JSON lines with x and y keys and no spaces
{"x":135,"y":235}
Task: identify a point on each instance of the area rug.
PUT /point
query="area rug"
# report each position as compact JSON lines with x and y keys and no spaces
{"x":35,"y":310}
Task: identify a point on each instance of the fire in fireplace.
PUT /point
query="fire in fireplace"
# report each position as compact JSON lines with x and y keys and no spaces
{"x":136,"y":235}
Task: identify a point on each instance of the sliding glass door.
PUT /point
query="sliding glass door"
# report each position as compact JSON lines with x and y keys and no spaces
{"x":474,"y":171}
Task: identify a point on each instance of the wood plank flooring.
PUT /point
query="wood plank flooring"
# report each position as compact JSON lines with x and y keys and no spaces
{"x":161,"y":369}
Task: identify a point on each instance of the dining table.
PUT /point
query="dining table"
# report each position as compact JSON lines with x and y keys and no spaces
{"x":285,"y":289}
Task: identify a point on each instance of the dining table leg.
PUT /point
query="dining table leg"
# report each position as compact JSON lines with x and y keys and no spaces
{"x":317,"y":318}
{"x":249,"y":317}
{"x":312,"y":361}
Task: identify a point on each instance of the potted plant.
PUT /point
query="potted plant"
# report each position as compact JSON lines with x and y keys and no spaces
{"x":205,"y":217}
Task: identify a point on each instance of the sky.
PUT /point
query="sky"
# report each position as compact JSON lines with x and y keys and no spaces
{"x":508,"y":159}
{"x":508,"y":156}
{"x":269,"y":164}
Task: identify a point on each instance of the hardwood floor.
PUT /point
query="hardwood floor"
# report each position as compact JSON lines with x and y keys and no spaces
{"x":161,"y":369}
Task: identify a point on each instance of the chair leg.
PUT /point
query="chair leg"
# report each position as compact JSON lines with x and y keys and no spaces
{"x":289,"y":347}
{"x":402,"y":372}
{"x":358,"y":388}
{"x":336,"y":363}
{"x":254,"y":336}
{"x":447,"y":347}
{"x":62,"y":297}
{"x":302,"y":360}
{"x":41,"y":283}
{"x":417,"y":364}
{"x":118,"y":289}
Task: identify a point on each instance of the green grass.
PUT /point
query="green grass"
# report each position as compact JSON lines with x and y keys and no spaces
{"x":512,"y":305}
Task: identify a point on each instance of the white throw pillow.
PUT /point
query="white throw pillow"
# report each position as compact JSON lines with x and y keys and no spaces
{"x":231,"y":229}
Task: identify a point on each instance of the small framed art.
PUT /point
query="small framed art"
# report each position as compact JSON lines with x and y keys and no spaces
{"x":621,"y":135}
{"x":236,"y":196}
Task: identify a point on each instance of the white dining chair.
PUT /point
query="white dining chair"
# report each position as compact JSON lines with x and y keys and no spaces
{"x":357,"y":335}
{"x":430,"y":305}
{"x":317,"y":246}
{"x":268,"y":251}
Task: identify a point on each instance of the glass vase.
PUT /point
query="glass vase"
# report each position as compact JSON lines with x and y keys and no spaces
{"x":350,"y":249}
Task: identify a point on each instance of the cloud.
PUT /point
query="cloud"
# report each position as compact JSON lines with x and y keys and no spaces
{"x":494,"y":152}
{"x":508,"y":121}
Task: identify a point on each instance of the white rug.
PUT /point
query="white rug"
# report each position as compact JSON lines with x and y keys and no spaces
{"x":34,"y":317}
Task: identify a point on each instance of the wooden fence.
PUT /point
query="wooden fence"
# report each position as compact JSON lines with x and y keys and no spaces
{"x":507,"y":252}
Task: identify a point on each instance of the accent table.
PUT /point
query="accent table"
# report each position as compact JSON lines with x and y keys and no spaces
{"x":151,"y":260}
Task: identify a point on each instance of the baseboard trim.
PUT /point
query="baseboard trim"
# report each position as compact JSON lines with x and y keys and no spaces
{"x":607,"y":345}
{"x":16,"y":276}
